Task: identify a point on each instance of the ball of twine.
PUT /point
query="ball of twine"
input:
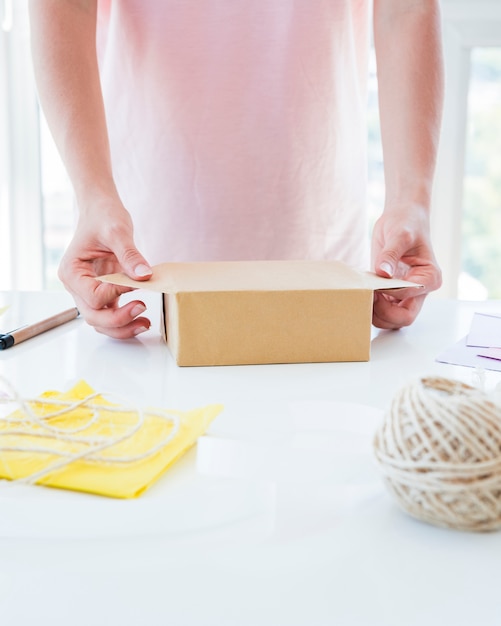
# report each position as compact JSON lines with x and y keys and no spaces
{"x":439,"y":449}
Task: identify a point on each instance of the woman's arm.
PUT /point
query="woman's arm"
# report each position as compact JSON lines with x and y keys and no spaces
{"x":63,"y":34}
{"x":407,"y":36}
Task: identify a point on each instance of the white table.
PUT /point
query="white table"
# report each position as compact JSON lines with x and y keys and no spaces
{"x":286,"y":544}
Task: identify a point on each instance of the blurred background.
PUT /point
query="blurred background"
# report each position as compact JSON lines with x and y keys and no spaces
{"x":36,"y":205}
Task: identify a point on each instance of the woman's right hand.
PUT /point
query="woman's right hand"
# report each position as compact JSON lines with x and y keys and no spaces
{"x":102,"y":244}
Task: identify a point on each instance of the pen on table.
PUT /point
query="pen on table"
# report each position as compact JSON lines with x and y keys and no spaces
{"x":32,"y":330}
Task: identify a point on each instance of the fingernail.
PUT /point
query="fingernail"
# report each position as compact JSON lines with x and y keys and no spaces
{"x":386,"y":267}
{"x":142,"y":270}
{"x":140,"y":329}
{"x":137,"y":310}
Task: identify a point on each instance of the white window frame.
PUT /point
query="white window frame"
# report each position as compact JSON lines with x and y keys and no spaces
{"x":21,"y":247}
{"x":466,"y":24}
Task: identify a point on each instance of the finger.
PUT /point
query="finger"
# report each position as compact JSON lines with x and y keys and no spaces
{"x":133,"y":262}
{"x":386,"y":262}
{"x":97,"y":294}
{"x":92,"y":295}
{"x":140,"y":325}
{"x":119,"y":322}
{"x":391,"y":315}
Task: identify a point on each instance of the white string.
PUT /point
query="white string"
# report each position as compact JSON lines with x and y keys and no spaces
{"x":439,"y":449}
{"x":479,"y":378}
{"x":93,"y":446}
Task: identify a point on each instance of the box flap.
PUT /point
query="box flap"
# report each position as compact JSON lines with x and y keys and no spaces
{"x":257,"y":276}
{"x":380,"y":283}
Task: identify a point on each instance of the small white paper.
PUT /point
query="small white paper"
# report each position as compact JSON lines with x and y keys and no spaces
{"x":490,"y":353}
{"x":485,"y":331}
{"x":469,"y":356}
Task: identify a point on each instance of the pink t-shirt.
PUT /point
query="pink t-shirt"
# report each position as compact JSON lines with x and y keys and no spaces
{"x":237,"y":127}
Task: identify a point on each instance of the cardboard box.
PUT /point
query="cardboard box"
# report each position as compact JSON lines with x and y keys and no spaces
{"x":253,"y":312}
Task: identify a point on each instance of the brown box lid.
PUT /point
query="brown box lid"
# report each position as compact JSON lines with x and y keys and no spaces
{"x":253,"y":312}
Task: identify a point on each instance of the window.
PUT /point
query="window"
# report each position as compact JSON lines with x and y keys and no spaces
{"x":465,"y":209}
{"x":20,"y":201}
{"x":481,"y":218}
{"x":35,"y":194}
{"x":57,"y":206}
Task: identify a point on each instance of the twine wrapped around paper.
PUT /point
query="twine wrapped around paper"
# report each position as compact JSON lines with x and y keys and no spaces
{"x":81,"y":440}
{"x":439,"y":449}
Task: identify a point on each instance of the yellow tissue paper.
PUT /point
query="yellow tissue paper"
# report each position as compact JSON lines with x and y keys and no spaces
{"x":98,"y":446}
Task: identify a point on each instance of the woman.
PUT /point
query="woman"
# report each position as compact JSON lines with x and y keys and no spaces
{"x":235,"y":129}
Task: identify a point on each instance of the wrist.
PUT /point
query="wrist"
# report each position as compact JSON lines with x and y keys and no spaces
{"x":101,"y":199}
{"x":419,"y":206}
{"x":412,"y":193}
